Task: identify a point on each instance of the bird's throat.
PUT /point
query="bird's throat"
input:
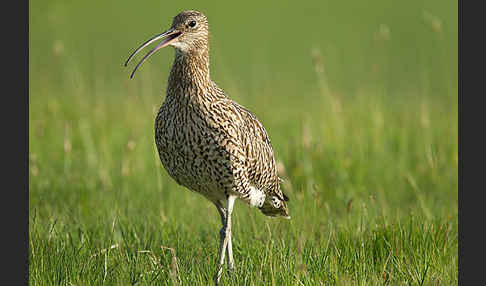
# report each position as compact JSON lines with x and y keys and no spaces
{"x":190,"y":70}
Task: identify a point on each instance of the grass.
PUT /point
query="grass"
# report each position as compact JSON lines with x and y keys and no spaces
{"x":365,"y":136}
{"x":370,"y":206}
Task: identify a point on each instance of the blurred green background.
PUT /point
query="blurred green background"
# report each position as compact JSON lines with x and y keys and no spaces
{"x":358,"y":97}
{"x":397,"y":47}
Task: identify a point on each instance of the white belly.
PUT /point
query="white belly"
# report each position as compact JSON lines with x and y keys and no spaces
{"x":256,"y":197}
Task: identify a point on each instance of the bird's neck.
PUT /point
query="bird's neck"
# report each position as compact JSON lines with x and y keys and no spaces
{"x":189,"y":81}
{"x":190,"y":72}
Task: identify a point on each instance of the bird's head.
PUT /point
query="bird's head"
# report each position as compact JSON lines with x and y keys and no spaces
{"x":189,"y":34}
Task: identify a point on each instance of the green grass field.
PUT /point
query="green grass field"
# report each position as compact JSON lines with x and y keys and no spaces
{"x":360,"y":102}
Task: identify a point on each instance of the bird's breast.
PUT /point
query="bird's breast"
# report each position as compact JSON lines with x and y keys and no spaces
{"x":192,"y":150}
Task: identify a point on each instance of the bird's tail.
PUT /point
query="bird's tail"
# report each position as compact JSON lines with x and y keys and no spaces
{"x":276,"y":206}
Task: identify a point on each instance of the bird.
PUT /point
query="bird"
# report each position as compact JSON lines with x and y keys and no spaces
{"x":207,"y":142}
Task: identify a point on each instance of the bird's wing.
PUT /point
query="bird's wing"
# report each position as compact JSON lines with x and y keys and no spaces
{"x":249,"y":145}
{"x":262,"y":170}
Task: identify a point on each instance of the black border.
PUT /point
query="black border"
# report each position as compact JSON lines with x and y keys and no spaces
{"x":14,"y":117}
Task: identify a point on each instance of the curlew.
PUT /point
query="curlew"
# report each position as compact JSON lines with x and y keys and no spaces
{"x":207,"y":142}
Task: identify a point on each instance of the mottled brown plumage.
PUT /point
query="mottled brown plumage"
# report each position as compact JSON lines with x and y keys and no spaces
{"x":207,"y":142}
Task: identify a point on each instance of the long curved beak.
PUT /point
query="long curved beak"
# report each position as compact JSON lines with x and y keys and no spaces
{"x":171,"y":35}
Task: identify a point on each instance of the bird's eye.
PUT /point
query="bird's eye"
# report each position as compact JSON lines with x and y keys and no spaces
{"x":192,"y":24}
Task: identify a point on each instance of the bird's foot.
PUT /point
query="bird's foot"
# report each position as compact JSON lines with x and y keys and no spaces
{"x":217,"y":276}
{"x":231,"y":266}
{"x":230,"y":271}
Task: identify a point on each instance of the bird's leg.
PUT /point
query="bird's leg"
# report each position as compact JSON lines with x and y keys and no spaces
{"x":229,"y":247}
{"x":225,"y":236}
{"x":222,"y":213}
{"x":229,"y":250}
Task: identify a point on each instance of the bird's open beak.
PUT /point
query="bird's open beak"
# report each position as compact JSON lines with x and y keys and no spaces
{"x":171,"y":35}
